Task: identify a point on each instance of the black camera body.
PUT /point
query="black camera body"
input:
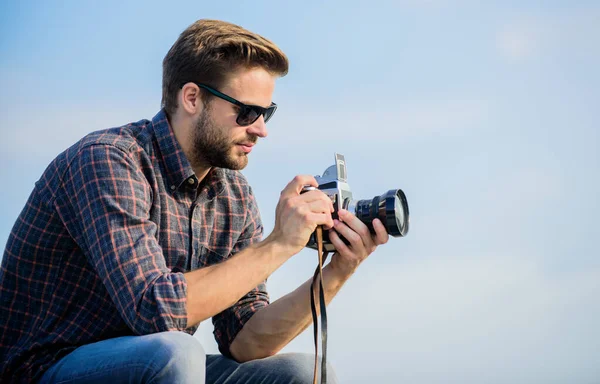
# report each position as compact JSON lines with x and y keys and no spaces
{"x":391,"y":207}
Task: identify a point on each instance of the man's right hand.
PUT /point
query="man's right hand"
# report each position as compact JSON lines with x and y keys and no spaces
{"x":297,"y":215}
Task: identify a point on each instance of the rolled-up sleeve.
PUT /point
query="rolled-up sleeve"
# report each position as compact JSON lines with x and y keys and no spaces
{"x":105,"y":201}
{"x":230,"y":322}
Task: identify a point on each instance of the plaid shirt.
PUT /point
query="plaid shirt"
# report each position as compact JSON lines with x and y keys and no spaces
{"x":100,"y":248}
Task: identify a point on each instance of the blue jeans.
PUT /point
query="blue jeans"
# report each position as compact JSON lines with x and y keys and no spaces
{"x":173,"y":357}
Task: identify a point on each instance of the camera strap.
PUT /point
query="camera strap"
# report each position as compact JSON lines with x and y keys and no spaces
{"x":319,"y":275}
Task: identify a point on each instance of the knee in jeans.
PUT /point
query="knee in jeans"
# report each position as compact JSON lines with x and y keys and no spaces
{"x":299,"y":368}
{"x":180,"y":357}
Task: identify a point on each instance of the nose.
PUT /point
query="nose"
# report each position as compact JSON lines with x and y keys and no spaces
{"x":258,"y":128}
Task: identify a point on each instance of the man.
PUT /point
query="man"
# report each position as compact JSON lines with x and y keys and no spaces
{"x":135,"y":235}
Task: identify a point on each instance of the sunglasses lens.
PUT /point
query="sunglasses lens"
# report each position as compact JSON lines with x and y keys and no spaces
{"x":270,"y":111}
{"x":247,"y":116}
{"x":250,"y":114}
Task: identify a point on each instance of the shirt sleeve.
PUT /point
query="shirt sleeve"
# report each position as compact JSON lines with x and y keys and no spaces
{"x":105,"y":200}
{"x":230,"y":322}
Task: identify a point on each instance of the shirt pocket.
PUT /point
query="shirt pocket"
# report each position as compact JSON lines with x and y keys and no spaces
{"x":206,"y":257}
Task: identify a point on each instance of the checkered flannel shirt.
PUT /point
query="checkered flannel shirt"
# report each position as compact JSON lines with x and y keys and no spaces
{"x":100,"y":248}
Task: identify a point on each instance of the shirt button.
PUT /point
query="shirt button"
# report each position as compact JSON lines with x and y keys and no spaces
{"x":191,"y":180}
{"x":173,"y":187}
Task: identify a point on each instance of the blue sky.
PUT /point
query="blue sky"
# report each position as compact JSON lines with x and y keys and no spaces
{"x":485,"y":114}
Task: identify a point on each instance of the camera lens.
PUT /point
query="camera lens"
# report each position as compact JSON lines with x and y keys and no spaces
{"x":391,"y":209}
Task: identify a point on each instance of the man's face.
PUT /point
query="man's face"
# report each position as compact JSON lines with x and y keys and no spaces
{"x":218,"y":141}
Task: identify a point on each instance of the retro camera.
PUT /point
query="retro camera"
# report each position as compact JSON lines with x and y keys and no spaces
{"x":391,"y":207}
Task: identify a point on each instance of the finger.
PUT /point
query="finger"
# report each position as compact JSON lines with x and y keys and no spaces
{"x":313,"y":196}
{"x":358,"y":227}
{"x":323,"y":219}
{"x":339,"y":245}
{"x":356,"y":241}
{"x":381,"y":235}
{"x":295,"y":186}
{"x":320,"y":206}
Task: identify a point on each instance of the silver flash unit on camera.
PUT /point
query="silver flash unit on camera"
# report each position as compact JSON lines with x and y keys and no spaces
{"x":391,"y":207}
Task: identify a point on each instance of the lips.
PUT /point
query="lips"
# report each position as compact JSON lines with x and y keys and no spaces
{"x":246,"y":147}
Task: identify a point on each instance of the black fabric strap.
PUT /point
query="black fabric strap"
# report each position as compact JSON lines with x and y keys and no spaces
{"x":323,"y":309}
{"x":315,"y":319}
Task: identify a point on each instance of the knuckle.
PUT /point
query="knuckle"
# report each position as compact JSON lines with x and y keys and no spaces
{"x":306,"y":220}
{"x":298,"y":210}
{"x":363,"y":231}
{"x":353,"y":237}
{"x":288,"y":203}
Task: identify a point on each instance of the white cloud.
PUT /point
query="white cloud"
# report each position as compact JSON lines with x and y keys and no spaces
{"x":572,"y":31}
{"x":518,"y":42}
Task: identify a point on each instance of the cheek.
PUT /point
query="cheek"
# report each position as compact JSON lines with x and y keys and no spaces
{"x":225,"y":131}
{"x":240,"y":134}
{"x":224,"y":115}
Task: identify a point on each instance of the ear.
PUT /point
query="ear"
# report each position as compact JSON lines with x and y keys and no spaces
{"x":190,"y":100}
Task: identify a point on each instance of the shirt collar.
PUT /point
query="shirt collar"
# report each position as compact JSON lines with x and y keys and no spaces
{"x":177,"y":165}
{"x":179,"y":170}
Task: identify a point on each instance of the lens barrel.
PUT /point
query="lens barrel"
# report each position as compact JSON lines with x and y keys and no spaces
{"x":391,"y":208}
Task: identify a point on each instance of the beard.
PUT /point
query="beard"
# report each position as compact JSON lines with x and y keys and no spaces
{"x":213,"y":147}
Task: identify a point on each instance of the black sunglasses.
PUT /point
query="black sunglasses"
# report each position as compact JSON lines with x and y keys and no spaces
{"x":248,"y":113}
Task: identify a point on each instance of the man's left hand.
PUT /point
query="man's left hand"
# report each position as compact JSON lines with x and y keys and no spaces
{"x":362,"y":243}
